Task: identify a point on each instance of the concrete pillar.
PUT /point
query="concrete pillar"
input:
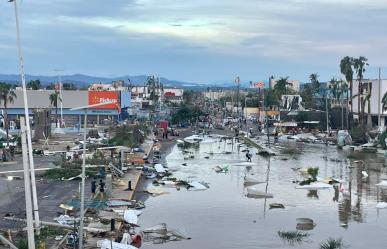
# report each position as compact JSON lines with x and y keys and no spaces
{"x":109,"y":184}
{"x":382,"y":121}
{"x":97,"y":119}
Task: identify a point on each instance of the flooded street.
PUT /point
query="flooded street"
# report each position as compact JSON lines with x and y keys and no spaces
{"x":224,"y":217}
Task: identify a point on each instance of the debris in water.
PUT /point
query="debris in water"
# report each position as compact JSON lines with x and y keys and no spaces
{"x":305,"y":224}
{"x":160,"y":234}
{"x":253,"y":192}
{"x":276,"y":205}
{"x":381,"y":205}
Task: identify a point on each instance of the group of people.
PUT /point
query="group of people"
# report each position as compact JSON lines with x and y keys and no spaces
{"x":101,"y":186}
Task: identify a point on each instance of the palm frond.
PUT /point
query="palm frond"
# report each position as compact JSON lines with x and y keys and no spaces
{"x":293,"y":237}
{"x":332,"y":243}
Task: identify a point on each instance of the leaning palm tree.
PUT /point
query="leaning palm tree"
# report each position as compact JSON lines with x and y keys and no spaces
{"x":7,"y":95}
{"x":360,"y":66}
{"x":346,"y":68}
{"x":54,"y":97}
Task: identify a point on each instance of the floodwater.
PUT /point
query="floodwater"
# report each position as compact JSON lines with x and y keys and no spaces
{"x":224,"y":217}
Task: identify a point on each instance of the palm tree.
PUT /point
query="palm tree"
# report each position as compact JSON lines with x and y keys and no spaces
{"x":359,"y":65}
{"x":346,"y":68}
{"x":54,"y":97}
{"x":281,"y":87}
{"x":7,"y":95}
{"x":314,"y":82}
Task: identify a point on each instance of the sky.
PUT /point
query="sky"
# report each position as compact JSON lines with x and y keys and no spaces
{"x":202,"y":41}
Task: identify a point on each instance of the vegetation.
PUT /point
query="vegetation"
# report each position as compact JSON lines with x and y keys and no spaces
{"x":45,"y":232}
{"x":34,"y":85}
{"x":346,"y":69}
{"x":187,"y":113}
{"x":7,"y":95}
{"x":54,"y":97}
{"x":68,"y":170}
{"x":332,"y":244}
{"x":313,"y":172}
{"x":132,"y":135}
{"x":293,"y":237}
{"x":360,"y":64}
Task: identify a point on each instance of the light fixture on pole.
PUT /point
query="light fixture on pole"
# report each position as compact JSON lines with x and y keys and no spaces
{"x":28,"y":128}
{"x":83,"y":175}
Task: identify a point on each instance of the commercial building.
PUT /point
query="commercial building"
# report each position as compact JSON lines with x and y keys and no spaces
{"x":40,"y":99}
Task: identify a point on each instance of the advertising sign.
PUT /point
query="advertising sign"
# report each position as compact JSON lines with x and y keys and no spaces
{"x":125,"y":99}
{"x":96,"y":97}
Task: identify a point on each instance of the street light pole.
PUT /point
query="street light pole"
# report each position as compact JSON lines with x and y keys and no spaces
{"x":28,"y":128}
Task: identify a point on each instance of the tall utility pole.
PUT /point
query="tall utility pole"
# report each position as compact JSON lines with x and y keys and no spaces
{"x":27,"y":187}
{"x":237,"y":81}
{"x":60,"y":95}
{"x":28,"y":128}
{"x":379,"y":90}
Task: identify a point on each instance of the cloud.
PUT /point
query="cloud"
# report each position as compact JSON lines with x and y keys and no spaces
{"x":216,"y":35}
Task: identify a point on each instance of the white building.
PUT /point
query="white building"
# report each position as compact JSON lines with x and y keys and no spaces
{"x":377,"y":92}
{"x":295,"y":84}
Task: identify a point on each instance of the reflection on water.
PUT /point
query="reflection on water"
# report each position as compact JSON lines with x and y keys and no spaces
{"x":222,"y":215}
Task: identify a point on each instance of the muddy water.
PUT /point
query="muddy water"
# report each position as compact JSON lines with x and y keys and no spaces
{"x":223,"y":217}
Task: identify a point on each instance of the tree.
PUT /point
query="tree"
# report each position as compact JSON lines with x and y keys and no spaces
{"x":346,"y":68}
{"x":54,"y":97}
{"x":281,"y":87}
{"x":7,"y":95}
{"x":69,"y":86}
{"x":359,"y":64}
{"x":315,"y":84}
{"x":34,"y":84}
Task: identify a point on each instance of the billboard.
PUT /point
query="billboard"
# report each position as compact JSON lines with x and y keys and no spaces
{"x":125,"y":100}
{"x":96,"y":97}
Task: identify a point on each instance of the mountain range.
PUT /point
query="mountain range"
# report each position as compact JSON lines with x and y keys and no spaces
{"x":81,"y":80}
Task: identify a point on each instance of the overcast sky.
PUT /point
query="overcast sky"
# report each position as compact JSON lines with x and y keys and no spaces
{"x":202,"y":41}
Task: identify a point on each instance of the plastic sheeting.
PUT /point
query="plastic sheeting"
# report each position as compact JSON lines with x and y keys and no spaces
{"x":107,"y":244}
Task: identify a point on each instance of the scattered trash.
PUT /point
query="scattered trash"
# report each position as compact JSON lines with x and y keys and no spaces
{"x":382,"y":184}
{"x":305,"y":224}
{"x":251,"y":181}
{"x":253,"y":192}
{"x":160,"y":234}
{"x":381,"y":205}
{"x":365,"y":174}
{"x":59,"y":237}
{"x":155,"y":191}
{"x":197,"y":186}
{"x":315,"y":186}
{"x":107,"y":244}
{"x":65,"y":220}
{"x":219,"y":169}
{"x":124,"y":202}
{"x":130,"y":216}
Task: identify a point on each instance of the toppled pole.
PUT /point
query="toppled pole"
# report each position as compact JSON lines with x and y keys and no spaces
{"x":7,"y":242}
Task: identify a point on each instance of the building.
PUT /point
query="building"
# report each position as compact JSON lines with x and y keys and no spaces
{"x":39,"y":99}
{"x":174,"y":95}
{"x":378,"y":89}
{"x":295,"y":84}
